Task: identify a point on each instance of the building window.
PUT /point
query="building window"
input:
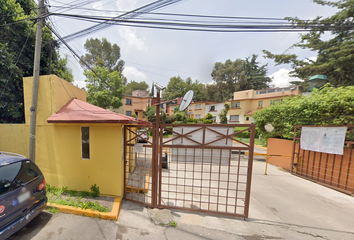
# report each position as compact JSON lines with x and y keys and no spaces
{"x":247,"y":118}
{"x":161,"y":106}
{"x":235,"y":105}
{"x":260,"y":104}
{"x":85,"y":142}
{"x":212,"y":108}
{"x":234,"y":118}
{"x":275,"y":101}
{"x":214,"y":119}
{"x":198,"y":116}
{"x":190,"y":108}
{"x":128,"y":101}
{"x":198,"y":106}
{"x":128,"y":113}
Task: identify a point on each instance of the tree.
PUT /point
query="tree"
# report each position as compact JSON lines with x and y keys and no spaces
{"x":151,"y":115}
{"x":179,"y":116}
{"x":223,"y":114}
{"x":228,"y":77}
{"x":335,"y":56}
{"x":104,"y":91}
{"x":239,"y":75}
{"x":329,"y":106}
{"x":210,"y":92}
{"x":61,"y":70}
{"x":256,"y":76}
{"x":132,"y":86}
{"x":103,"y":54}
{"x":177,"y":87}
{"x":209,"y":118}
{"x":152,"y":92}
{"x":17,"y":41}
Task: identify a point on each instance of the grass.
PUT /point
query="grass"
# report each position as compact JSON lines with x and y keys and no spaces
{"x":172,"y":224}
{"x":52,"y":209}
{"x":63,"y":196}
{"x":256,"y":141}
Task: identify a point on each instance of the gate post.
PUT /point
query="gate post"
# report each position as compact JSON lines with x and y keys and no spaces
{"x":249,"y":170}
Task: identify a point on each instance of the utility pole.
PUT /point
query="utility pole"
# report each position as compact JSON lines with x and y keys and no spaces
{"x":37,"y":58}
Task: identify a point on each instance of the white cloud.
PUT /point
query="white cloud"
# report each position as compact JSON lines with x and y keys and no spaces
{"x":131,"y":40}
{"x":281,"y":78}
{"x":126,"y":5}
{"x":132,"y":73}
{"x":80,"y":84}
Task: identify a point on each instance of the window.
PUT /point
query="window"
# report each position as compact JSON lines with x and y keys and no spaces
{"x":214,"y":119}
{"x":212,"y":108}
{"x":85,"y":142}
{"x":234,"y":118}
{"x":247,"y":118}
{"x":235,"y":105}
{"x":161,"y":106}
{"x":14,"y":175}
{"x":275,"y":101}
{"x":198,"y":116}
{"x":128,"y":113}
{"x":260,"y":104}
{"x":190,"y":108}
{"x":198,"y":106}
{"x":128,"y":101}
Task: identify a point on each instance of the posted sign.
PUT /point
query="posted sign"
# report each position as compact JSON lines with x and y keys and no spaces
{"x":323,"y":139}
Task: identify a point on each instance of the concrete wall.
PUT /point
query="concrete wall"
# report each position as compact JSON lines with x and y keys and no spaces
{"x":58,"y":146}
{"x":137,"y":104}
{"x":280,"y":147}
{"x":14,"y":138}
{"x":219,"y":107}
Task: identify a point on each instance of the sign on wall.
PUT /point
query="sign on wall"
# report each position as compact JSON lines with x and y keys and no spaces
{"x":323,"y":139}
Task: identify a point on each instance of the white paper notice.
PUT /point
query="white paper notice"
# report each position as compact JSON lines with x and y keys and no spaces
{"x":138,"y":148}
{"x":323,"y":139}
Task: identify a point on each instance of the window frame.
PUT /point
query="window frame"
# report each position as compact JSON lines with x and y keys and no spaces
{"x":128,"y":101}
{"x":238,"y":118}
{"x":126,"y":113}
{"x":200,"y":116}
{"x":198,"y":108}
{"x":238,"y":104}
{"x":89,"y":148}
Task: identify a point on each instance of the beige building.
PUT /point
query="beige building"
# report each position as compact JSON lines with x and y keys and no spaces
{"x":247,"y":102}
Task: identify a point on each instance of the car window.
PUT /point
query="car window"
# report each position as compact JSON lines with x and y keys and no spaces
{"x":12,"y":176}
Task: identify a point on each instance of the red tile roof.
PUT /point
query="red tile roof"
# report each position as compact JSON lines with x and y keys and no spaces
{"x":252,"y":112}
{"x":77,"y":111}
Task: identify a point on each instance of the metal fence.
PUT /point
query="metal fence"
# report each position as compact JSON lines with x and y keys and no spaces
{"x":332,"y":170}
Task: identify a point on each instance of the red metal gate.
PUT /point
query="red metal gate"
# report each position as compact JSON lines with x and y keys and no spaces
{"x":332,"y":170}
{"x":201,"y":168}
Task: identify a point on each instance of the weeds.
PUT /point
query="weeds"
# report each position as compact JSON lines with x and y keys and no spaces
{"x":63,"y":196}
{"x":52,"y":209}
{"x":172,"y":224}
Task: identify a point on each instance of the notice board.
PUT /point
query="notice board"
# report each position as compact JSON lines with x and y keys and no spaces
{"x":323,"y":139}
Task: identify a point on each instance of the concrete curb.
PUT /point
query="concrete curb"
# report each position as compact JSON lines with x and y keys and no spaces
{"x":113,"y":215}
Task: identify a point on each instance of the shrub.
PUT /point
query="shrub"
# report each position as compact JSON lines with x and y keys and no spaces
{"x":328,"y":106}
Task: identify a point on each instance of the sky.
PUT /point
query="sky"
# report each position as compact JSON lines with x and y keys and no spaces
{"x":155,"y":55}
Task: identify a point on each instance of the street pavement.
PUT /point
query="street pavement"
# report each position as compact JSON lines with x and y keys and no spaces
{"x":282,"y":206}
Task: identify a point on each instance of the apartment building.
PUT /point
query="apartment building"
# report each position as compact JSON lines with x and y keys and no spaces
{"x":246,"y":103}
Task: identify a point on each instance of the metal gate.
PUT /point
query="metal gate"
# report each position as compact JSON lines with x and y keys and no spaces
{"x":332,"y":170}
{"x":201,"y":168}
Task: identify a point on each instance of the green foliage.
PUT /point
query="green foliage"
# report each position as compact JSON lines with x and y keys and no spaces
{"x":329,"y":106}
{"x":177,"y":87}
{"x":190,"y":120}
{"x":179,"y":116}
{"x":52,"y":209}
{"x":133,"y":115}
{"x":132,"y":86}
{"x":239,"y":75}
{"x":95,"y":190}
{"x":152,"y":92}
{"x":102,"y":53}
{"x":151,"y":117}
{"x":61,"y":70}
{"x":209,"y":118}
{"x":223,"y":113}
{"x":172,"y":224}
{"x":335,"y":56}
{"x":17,"y":56}
{"x":106,"y":91}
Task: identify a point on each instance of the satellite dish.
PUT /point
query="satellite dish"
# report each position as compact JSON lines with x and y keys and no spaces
{"x":186,"y":100}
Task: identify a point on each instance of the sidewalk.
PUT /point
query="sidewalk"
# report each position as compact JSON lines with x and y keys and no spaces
{"x":282,"y":207}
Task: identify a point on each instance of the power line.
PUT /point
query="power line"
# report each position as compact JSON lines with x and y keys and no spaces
{"x":131,"y":14}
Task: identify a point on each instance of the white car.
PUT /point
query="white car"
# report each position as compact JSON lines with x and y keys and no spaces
{"x":144,"y":137}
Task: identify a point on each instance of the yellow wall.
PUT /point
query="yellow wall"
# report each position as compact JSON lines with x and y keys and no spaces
{"x":14,"y":138}
{"x":58,"y":146}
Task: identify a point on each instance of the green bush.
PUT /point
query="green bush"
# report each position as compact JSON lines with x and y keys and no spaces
{"x":328,"y":106}
{"x":190,"y":120}
{"x":195,"y":120}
